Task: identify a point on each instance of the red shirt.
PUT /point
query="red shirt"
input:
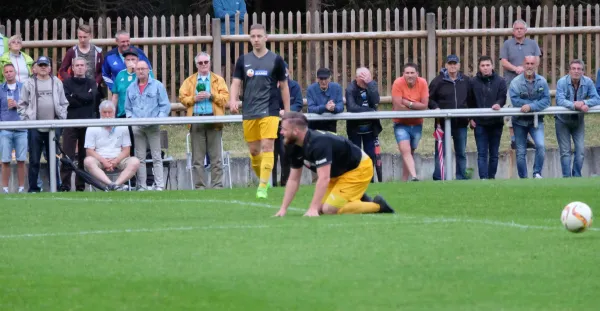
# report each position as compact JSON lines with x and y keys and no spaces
{"x":416,"y":94}
{"x":142,"y":87}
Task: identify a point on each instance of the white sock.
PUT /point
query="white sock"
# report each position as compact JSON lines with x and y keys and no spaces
{"x":21,"y":188}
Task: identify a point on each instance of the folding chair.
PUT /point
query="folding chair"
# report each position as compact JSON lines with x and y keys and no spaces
{"x":225,"y":157}
{"x":167,"y":159}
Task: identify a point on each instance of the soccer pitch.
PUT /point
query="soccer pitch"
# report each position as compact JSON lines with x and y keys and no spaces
{"x":470,"y":245}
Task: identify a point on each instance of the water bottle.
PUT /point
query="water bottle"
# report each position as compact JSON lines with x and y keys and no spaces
{"x":200,"y":87}
{"x":10,"y":96}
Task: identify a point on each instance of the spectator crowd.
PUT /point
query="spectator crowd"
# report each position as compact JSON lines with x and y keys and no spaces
{"x":30,"y":91}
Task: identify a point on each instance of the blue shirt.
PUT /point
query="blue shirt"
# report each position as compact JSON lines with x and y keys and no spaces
{"x":225,"y":7}
{"x":120,"y":85}
{"x":203,"y":107}
{"x":296,"y":100}
{"x":523,"y":92}
{"x":152,"y":103}
{"x":565,"y":96}
{"x":5,"y":113}
{"x":317,"y":98}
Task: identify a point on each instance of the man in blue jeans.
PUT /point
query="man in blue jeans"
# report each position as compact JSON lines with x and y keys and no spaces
{"x":12,"y":139}
{"x":529,"y":91}
{"x":42,"y":98}
{"x":487,"y":90}
{"x":449,"y":90}
{"x":576,"y":92}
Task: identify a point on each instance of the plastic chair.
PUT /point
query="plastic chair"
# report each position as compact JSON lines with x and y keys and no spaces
{"x":225,"y":159}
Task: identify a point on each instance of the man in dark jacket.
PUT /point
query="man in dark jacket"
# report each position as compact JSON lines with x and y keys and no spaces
{"x":84,"y":100}
{"x":362,"y":95}
{"x":449,"y":90}
{"x":296,"y":104}
{"x":488,"y":90}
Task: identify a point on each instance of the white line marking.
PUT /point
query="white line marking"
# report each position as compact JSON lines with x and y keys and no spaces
{"x":400,"y":219}
{"x":109,"y":200}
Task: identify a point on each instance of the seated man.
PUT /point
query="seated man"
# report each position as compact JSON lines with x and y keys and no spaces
{"x":107,"y":149}
{"x":344,"y":170}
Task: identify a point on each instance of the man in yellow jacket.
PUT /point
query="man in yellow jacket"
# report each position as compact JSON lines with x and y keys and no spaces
{"x":205,"y":94}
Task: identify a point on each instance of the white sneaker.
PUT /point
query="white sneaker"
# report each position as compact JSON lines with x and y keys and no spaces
{"x":158,"y":189}
{"x":21,"y":190}
{"x":537,"y":176}
{"x":5,"y":190}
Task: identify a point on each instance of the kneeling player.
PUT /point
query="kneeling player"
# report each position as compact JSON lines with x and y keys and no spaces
{"x":344,"y":171}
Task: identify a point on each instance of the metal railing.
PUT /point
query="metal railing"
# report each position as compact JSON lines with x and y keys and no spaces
{"x":448,"y":114}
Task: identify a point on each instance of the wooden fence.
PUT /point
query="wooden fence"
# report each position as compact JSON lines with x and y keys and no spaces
{"x":382,"y":40}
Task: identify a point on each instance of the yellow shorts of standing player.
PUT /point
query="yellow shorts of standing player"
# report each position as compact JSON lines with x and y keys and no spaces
{"x":350,"y":186}
{"x":258,"y":129}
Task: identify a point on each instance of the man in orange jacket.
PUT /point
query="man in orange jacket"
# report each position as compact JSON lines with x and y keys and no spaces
{"x":205,"y":94}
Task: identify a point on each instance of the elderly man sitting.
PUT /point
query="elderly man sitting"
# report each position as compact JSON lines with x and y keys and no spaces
{"x":107,"y":149}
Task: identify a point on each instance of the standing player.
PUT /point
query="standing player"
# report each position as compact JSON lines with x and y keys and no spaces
{"x":260,"y":70}
{"x":344,"y":170}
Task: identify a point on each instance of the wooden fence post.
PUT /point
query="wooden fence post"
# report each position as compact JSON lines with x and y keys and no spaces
{"x":216,"y":46}
{"x":431,"y":44}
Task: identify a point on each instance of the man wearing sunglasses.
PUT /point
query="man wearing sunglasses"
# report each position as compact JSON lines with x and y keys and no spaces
{"x":205,"y":93}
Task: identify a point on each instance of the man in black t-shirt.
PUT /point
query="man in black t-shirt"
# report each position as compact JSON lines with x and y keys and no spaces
{"x":260,"y":71}
{"x":344,"y":170}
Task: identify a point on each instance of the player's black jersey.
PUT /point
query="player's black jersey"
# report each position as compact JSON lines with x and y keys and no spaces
{"x":260,"y":77}
{"x":322,"y":148}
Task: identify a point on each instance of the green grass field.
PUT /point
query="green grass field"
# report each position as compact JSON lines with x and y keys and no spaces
{"x":233,"y":139}
{"x":472,"y":245}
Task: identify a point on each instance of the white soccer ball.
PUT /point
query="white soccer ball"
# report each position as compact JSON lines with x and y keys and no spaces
{"x":576,"y":217}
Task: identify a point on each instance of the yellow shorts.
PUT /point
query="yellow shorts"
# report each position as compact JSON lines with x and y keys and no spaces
{"x":263,"y":128}
{"x":350,"y":186}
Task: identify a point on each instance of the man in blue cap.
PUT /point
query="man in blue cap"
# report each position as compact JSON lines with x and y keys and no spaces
{"x":449,"y":90}
{"x":42,"y":98}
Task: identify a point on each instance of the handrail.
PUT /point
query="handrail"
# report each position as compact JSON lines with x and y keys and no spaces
{"x":111,"y":42}
{"x":479,"y":32}
{"x":442,"y":113}
{"x":446,"y":113}
{"x":382,"y":100}
{"x":362,"y":35}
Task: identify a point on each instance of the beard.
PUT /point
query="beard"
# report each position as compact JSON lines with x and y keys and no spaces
{"x":290,"y":140}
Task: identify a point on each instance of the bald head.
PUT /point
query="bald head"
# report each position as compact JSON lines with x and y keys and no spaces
{"x":363,"y":77}
{"x":530,"y":65}
{"x":361,"y":70}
